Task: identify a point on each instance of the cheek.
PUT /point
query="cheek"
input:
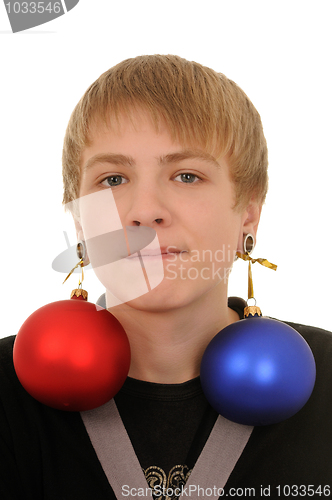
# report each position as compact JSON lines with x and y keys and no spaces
{"x":99,"y":213}
{"x":216,"y":226}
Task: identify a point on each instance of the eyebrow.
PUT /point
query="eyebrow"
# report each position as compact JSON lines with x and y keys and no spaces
{"x":128,"y":161}
{"x":188,"y":154}
{"x":114,"y":159}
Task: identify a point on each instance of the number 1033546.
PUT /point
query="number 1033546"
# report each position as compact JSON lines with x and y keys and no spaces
{"x":33,"y":7}
{"x":303,"y":490}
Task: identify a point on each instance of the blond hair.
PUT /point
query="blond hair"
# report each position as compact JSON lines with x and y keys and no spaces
{"x":198,"y":105}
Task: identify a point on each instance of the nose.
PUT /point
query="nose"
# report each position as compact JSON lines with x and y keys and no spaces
{"x":148,"y":207}
{"x":138,"y":223}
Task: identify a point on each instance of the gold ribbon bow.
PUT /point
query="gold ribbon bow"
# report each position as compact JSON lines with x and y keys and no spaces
{"x":263,"y":262}
{"x":80,"y":263}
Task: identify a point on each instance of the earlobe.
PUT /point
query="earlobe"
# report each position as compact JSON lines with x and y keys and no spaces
{"x":81,"y":239}
{"x":250,"y":221}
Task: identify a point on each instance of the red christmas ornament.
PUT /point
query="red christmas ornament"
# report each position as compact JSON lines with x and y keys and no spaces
{"x":71,"y":356}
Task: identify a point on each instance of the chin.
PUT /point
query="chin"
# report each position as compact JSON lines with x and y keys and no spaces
{"x":165,"y":298}
{"x":155,"y":300}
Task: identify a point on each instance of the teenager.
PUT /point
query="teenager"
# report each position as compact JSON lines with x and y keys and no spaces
{"x":161,"y":142}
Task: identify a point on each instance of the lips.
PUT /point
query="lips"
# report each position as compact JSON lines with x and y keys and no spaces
{"x":170,"y":249}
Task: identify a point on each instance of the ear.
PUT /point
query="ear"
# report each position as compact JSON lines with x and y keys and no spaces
{"x":80,"y":237}
{"x":250,"y":221}
{"x":79,"y":229}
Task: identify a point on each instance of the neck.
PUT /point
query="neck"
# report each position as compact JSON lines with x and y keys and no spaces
{"x":167,"y":345}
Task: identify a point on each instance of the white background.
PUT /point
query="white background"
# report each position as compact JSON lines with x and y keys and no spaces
{"x":278,"y":52}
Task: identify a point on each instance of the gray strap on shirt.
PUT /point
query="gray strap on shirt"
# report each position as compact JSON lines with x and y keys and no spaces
{"x":122,"y":468}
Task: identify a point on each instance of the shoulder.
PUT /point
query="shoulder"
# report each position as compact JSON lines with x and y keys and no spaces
{"x":14,"y":398}
{"x":320,"y":340}
{"x":6,"y":346}
{"x":6,"y":355}
{"x":10,"y":387}
{"x":320,"y":343}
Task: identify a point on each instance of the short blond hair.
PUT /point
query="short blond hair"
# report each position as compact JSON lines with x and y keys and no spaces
{"x":198,"y":105}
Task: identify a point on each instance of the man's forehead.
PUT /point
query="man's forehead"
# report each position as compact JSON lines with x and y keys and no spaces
{"x":110,"y":126}
{"x":163,"y":160}
{"x":102,"y":130}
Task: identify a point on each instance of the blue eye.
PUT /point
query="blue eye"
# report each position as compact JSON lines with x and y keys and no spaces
{"x":188,"y":178}
{"x":113,"y":180}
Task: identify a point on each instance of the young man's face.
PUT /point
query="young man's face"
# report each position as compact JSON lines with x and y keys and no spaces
{"x":183,"y":194}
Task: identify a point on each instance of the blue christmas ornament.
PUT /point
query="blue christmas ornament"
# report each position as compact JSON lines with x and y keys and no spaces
{"x":258,"y":371}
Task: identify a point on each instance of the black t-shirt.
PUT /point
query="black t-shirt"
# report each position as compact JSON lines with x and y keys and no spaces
{"x":171,"y":425}
{"x":46,"y":453}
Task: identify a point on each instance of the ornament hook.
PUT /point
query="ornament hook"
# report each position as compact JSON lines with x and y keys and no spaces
{"x":253,"y":310}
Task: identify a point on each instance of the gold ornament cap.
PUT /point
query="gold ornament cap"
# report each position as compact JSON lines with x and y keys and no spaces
{"x":252,"y":311}
{"x":79,"y":292}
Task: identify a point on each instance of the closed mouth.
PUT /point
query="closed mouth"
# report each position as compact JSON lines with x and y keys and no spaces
{"x":155,"y":253}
